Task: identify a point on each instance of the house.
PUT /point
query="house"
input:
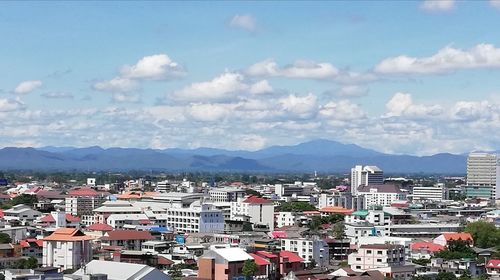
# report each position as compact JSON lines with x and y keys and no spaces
{"x":424,"y":250}
{"x":57,"y":219}
{"x":125,"y":239}
{"x":493,"y":268}
{"x":6,"y":250}
{"x":289,"y":261}
{"x":222,"y":263}
{"x":32,"y":248}
{"x":67,"y":248}
{"x":376,"y":256}
{"x":118,"y":271}
{"x":446,"y":237}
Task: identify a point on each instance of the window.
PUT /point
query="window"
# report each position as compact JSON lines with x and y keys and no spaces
{"x":379,"y":260}
{"x":358,"y":259}
{"x":379,"y":252}
{"x":358,"y":267}
{"x":369,"y":251}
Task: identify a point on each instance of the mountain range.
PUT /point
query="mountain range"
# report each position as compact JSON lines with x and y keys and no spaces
{"x":317,"y":155}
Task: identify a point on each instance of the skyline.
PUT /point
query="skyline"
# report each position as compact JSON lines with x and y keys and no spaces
{"x":418,"y":78}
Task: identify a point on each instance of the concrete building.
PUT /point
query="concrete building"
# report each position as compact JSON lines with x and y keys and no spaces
{"x":317,"y":250}
{"x":483,"y":170}
{"x":364,"y":176}
{"x":67,"y":248}
{"x":21,"y":213}
{"x":125,"y":239}
{"x":260,"y":211}
{"x":429,"y":193}
{"x":106,"y":270}
{"x":430,"y":230}
{"x":374,"y":256}
{"x":381,"y":195}
{"x":286,"y":219}
{"x":42,"y":273}
{"x":222,"y":264}
{"x":198,"y":217}
{"x":83,"y":201}
{"x":226,"y":194}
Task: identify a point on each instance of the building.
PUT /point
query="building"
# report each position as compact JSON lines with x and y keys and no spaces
{"x":430,"y":230}
{"x":424,"y":250}
{"x":198,"y":217}
{"x":83,"y":201}
{"x":377,"y":256}
{"x":67,"y":248}
{"x":222,"y":264}
{"x":260,"y":211}
{"x":226,"y":194}
{"x":381,"y":195}
{"x":41,"y":273}
{"x":32,"y":248}
{"x":21,"y":213}
{"x":125,"y":239}
{"x":444,"y":238}
{"x":458,"y":267}
{"x":493,"y":268}
{"x":286,"y":219}
{"x":483,"y":170}
{"x":365,"y":176}
{"x":317,"y":250}
{"x":429,"y":193}
{"x":339,"y":249}
{"x":391,"y":240}
{"x":106,"y":270}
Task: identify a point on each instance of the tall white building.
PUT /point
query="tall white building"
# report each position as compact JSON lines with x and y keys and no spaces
{"x":381,"y":195}
{"x":198,"y":217}
{"x":483,"y":170}
{"x":364,"y":176}
{"x":259,"y":210}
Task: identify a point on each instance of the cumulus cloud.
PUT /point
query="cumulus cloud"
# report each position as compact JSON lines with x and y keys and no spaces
{"x":447,"y":59}
{"x":125,"y":97}
{"x":350,"y":91}
{"x":208,"y":112}
{"x":343,"y":110}
{"x":401,"y":104}
{"x":246,"y":22}
{"x":438,"y":5}
{"x":9,"y":104}
{"x":28,"y":86}
{"x":302,"y":107}
{"x":473,"y":111}
{"x":117,"y":84}
{"x":155,"y":67}
{"x":227,"y":86}
{"x":300,"y":69}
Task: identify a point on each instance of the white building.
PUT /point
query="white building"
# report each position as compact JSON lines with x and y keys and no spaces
{"x":204,"y":218}
{"x":67,"y":248}
{"x":308,"y":249}
{"x":373,"y":217}
{"x":424,"y":193}
{"x":381,"y":195}
{"x":226,"y":194}
{"x":120,"y":271}
{"x":405,"y":242}
{"x":375,"y":256}
{"x":260,"y":211}
{"x":21,"y":213}
{"x":119,"y":221}
{"x":483,"y":169}
{"x":363,"y":176}
{"x":285,"y":219}
{"x":91,"y":182}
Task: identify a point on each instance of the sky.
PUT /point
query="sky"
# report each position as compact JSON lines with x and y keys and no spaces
{"x":407,"y":77}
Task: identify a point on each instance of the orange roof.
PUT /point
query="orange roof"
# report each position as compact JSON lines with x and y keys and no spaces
{"x":335,"y":209}
{"x":426,"y":246}
{"x":465,"y":236}
{"x":260,"y":261}
{"x":67,"y":234}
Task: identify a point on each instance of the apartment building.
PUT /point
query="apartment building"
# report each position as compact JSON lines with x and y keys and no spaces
{"x":374,"y":256}
{"x":429,"y":193}
{"x":198,"y":217}
{"x":82,"y":202}
{"x":226,"y":194}
{"x":483,"y":171}
{"x":125,"y":239}
{"x":260,"y":211}
{"x":317,"y":250}
{"x":381,"y":195}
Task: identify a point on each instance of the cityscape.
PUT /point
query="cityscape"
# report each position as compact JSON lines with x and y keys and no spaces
{"x":242,"y":140}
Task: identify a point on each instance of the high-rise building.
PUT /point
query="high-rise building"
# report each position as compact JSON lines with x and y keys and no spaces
{"x":364,"y":176}
{"x":483,"y":171}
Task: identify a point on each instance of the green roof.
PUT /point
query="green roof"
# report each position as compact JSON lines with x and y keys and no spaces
{"x":360,"y":213}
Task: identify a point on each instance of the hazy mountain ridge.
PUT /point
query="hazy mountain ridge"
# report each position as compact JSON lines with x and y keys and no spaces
{"x":318,"y":155}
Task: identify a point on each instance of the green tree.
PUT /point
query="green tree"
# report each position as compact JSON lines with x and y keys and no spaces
{"x":249,"y":268}
{"x":296,"y":206}
{"x":5,"y":238}
{"x":446,"y":276}
{"x":339,"y":230}
{"x":485,"y":234}
{"x":422,"y":262}
{"x":253,"y":192}
{"x":175,"y":272}
{"x":25,"y":199}
{"x":421,"y":277}
{"x":31,"y":263}
{"x":465,"y":276}
{"x":456,"y":249}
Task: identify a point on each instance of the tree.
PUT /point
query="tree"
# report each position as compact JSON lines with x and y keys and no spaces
{"x":421,"y":277}
{"x":175,"y":272}
{"x":296,"y":206}
{"x":253,"y":192}
{"x":456,"y":249}
{"x":31,"y":263}
{"x":422,"y":262}
{"x":446,"y":276}
{"x":25,"y":199}
{"x":485,"y":234}
{"x":249,"y":268}
{"x":5,"y":238}
{"x":339,"y":230}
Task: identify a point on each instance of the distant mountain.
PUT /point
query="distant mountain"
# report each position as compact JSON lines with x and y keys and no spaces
{"x":318,"y":155}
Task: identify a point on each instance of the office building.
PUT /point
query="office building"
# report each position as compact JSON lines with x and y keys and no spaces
{"x":364,"y":176}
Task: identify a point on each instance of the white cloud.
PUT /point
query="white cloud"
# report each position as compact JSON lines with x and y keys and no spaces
{"x":401,"y":104}
{"x":438,"y":5}
{"x":247,"y":22}
{"x":302,"y":107}
{"x":343,"y":110}
{"x":28,"y":86}
{"x":495,"y":4}
{"x":473,"y":111}
{"x":9,"y":104}
{"x":117,"y":84}
{"x":209,"y":112}
{"x":445,"y":60}
{"x":250,"y":142}
{"x":261,"y":87}
{"x":351,"y":91}
{"x":155,"y":67}
{"x":301,"y":69}
{"x":57,"y":95}
{"x":125,"y":97}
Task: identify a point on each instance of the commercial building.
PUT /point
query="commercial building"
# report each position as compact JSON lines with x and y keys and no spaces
{"x":198,"y":217}
{"x":381,"y":195}
{"x":107,"y":270}
{"x":83,"y":201}
{"x":432,"y":193}
{"x":483,"y":171}
{"x":364,"y":176}
{"x":226,"y":194}
{"x":260,"y":211}
{"x":67,"y":248}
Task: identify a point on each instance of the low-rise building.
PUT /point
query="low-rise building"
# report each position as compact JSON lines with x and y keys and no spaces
{"x":22,"y":213}
{"x":376,"y":256}
{"x":260,"y":211}
{"x":198,"y":217}
{"x":446,"y":237}
{"x":309,"y":250}
{"x":222,"y":264}
{"x":67,"y":248}
{"x":381,"y":195}
{"x":108,"y":270}
{"x":125,"y":239}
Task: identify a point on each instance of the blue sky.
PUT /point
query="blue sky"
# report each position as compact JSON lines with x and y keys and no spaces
{"x":415,"y":77}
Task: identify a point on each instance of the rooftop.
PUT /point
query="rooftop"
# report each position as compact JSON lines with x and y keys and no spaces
{"x":67,"y":234}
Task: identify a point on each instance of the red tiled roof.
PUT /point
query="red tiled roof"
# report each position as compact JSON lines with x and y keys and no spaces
{"x":260,"y":261}
{"x":100,"y":227}
{"x":83,"y":192}
{"x":164,"y":261}
{"x":257,"y":200}
{"x":457,"y":236}
{"x":72,"y":219}
{"x":28,"y":242}
{"x":279,"y":234}
{"x":292,"y":257}
{"x":67,"y":234}
{"x":493,"y":264}
{"x":427,"y":246}
{"x":266,"y":254}
{"x":127,"y":235}
{"x":47,"y":219}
